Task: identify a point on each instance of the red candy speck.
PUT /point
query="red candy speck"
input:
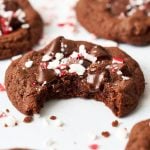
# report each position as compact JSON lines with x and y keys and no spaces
{"x":118,"y":59}
{"x":2,"y":88}
{"x":63,"y":73}
{"x":44,"y":65}
{"x":65,"y":24}
{"x":60,"y":24}
{"x":2,"y":115}
{"x":94,"y":146}
{"x":5,"y":28}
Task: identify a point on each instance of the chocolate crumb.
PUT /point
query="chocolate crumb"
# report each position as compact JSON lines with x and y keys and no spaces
{"x":5,"y":125}
{"x":28,"y":119}
{"x":53,"y":117}
{"x":105,"y":134}
{"x":7,"y":110}
{"x":115,"y":123}
{"x":16,"y":123}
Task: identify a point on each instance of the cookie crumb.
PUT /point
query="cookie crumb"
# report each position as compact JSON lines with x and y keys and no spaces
{"x":7,"y":110}
{"x":5,"y":125}
{"x":53,"y":117}
{"x":16,"y":123}
{"x":28,"y":119}
{"x":115,"y":123}
{"x":105,"y":134}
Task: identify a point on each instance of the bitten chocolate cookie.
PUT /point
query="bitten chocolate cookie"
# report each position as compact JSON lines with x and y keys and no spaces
{"x":20,"y":27}
{"x":120,"y":20}
{"x":68,"y":69}
{"x":140,"y":136}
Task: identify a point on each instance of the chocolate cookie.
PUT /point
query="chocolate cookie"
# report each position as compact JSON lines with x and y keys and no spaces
{"x":68,"y":69}
{"x":140,"y":136}
{"x":20,"y":27}
{"x":120,"y":20}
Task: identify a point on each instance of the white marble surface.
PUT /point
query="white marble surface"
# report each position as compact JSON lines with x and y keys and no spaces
{"x":80,"y":118}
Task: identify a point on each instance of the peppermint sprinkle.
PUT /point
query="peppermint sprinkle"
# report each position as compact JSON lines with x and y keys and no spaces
{"x":28,"y":64}
{"x":82,"y":51}
{"x":25,"y":26}
{"x":2,"y":88}
{"x":46,"y":58}
{"x":117,"y":60}
{"x":119,"y":72}
{"x":16,"y":57}
{"x":59,"y":56}
{"x":90,"y":78}
{"x":125,"y":78}
{"x":94,"y":146}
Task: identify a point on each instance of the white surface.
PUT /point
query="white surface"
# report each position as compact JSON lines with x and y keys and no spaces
{"x":80,"y":117}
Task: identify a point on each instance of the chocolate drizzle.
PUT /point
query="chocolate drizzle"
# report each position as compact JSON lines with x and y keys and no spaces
{"x":47,"y":75}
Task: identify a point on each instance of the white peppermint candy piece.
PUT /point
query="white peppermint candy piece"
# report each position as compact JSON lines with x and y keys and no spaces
{"x":29,"y":64}
{"x":77,"y":68}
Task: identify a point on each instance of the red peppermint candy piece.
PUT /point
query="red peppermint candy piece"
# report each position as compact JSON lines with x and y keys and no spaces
{"x":63,"y":73}
{"x":2,"y":115}
{"x":65,"y":24}
{"x":117,"y":60}
{"x":61,"y":24}
{"x":44,"y":65}
{"x":5,"y":28}
{"x":94,"y":146}
{"x":2,"y":88}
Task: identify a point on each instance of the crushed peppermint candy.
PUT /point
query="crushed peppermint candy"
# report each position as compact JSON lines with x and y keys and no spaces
{"x":2,"y":88}
{"x":77,"y":68}
{"x":16,"y":57}
{"x":71,"y":64}
{"x":82,"y":51}
{"x":100,"y":78}
{"x":25,"y":26}
{"x":29,"y":64}
{"x":90,"y":78}
{"x":117,"y":60}
{"x":125,"y":78}
{"x":59,"y":56}
{"x":119,"y":72}
{"x":134,"y":5}
{"x":7,"y":16}
{"x":46,"y":57}
{"x":122,"y":134}
{"x":3,"y":115}
{"x":94,"y":146}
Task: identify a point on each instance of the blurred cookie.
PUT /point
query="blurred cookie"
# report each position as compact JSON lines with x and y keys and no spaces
{"x":125,"y":21}
{"x":20,"y":27}
{"x":140,"y":136}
